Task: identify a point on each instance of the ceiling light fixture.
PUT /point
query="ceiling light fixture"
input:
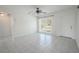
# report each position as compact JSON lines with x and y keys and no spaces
{"x":1,"y":14}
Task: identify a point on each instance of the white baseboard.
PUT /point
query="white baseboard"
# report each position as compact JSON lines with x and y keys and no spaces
{"x":67,"y":37}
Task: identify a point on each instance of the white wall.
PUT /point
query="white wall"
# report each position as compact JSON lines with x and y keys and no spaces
{"x":5,"y":28}
{"x":63,"y":21}
{"x":77,"y":28}
{"x":23,"y":24}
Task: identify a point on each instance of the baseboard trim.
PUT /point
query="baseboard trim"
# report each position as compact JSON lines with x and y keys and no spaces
{"x":67,"y":37}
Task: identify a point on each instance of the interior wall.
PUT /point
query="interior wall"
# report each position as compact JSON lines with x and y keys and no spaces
{"x":64,"y":23}
{"x":23,"y":24}
{"x":5,"y":25}
{"x":77,"y":28}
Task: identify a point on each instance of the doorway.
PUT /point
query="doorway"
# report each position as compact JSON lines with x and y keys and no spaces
{"x":5,"y":24}
{"x":45,"y":24}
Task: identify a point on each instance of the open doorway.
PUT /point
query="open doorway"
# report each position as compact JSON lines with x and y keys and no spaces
{"x":45,"y":24}
{"x":5,"y":24}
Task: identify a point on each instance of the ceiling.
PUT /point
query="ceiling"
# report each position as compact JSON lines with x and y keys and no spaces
{"x":45,"y":8}
{"x":29,"y":9}
{"x":53,"y":8}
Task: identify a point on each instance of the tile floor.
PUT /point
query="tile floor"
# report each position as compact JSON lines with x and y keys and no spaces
{"x":38,"y":43}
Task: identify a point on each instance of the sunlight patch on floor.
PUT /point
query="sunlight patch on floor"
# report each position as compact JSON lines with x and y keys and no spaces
{"x":45,"y":40}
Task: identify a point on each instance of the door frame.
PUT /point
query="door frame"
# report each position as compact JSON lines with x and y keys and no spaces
{"x":38,"y":18}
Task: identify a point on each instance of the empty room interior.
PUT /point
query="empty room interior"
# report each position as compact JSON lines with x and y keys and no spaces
{"x":39,"y":29}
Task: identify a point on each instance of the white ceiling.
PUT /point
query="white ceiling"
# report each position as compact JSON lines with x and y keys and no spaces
{"x":32,"y":8}
{"x":45,"y":8}
{"x":53,"y":8}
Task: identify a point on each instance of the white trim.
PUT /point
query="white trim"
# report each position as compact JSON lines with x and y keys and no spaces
{"x":38,"y":23}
